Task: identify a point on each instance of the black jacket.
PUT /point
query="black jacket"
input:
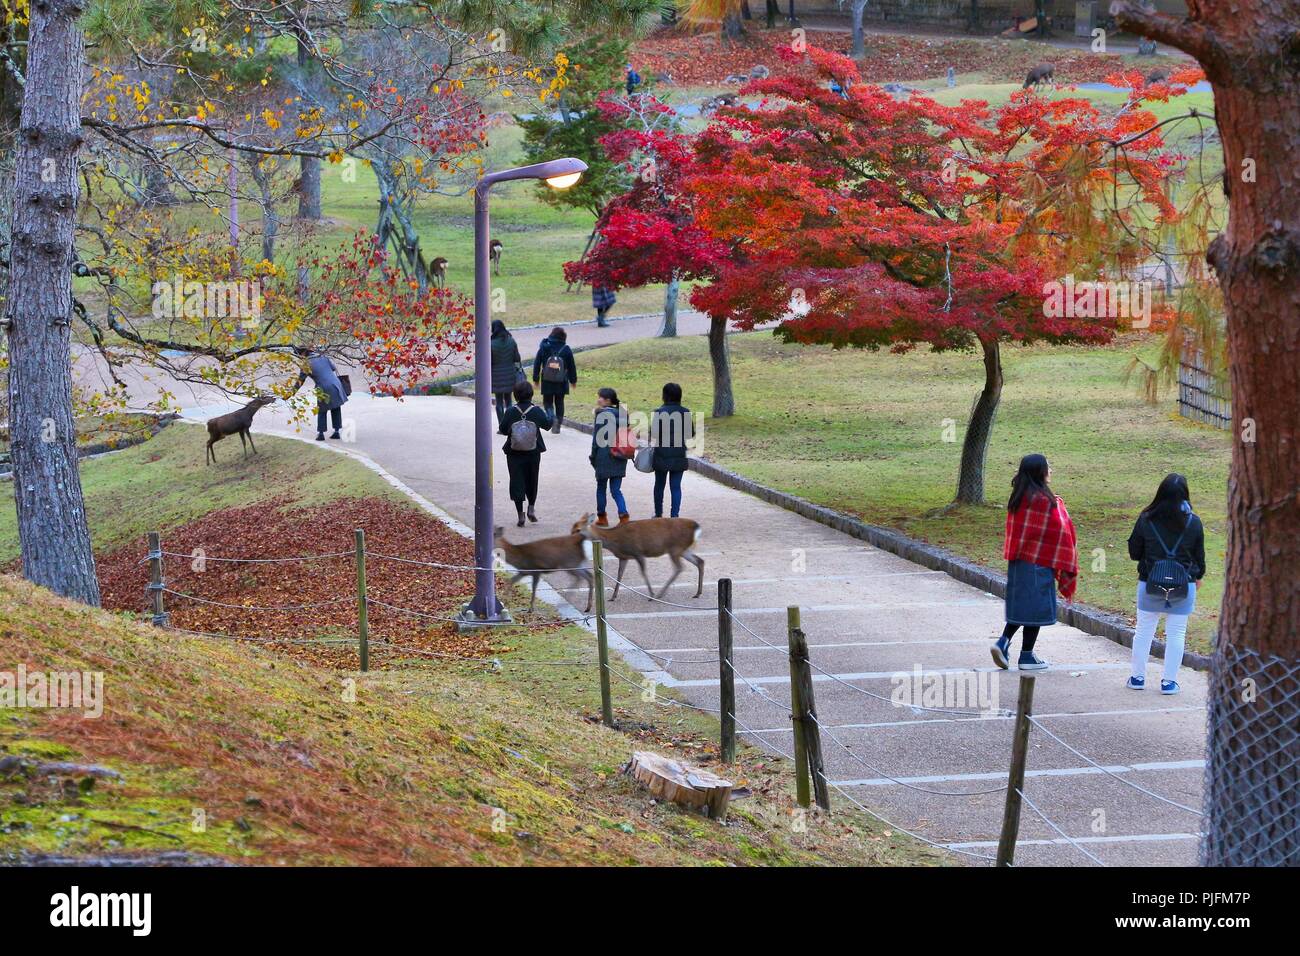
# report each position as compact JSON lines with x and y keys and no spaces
{"x":545,"y":350}
{"x":1146,"y":550}
{"x":506,"y":363}
{"x":536,"y":414}
{"x":671,"y":429}
{"x":608,"y":422}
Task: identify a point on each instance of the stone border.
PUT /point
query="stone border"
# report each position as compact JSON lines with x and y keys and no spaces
{"x":104,"y":448}
{"x":1088,"y":619}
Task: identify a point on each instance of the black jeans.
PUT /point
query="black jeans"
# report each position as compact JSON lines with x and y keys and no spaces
{"x":523,"y":478}
{"x":554,"y":405}
{"x":674,"y":481}
{"x":335,"y":413}
{"x":504,"y":400}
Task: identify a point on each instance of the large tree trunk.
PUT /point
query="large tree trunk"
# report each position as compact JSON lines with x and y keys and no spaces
{"x":1250,"y":50}
{"x":859,"y":42}
{"x":52,"y":526}
{"x":309,"y":167}
{"x":724,"y":402}
{"x":669,"y":329}
{"x":975,"y":447}
{"x":733,"y":28}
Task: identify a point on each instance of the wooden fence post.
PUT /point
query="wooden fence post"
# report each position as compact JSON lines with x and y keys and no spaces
{"x":801,"y":672}
{"x":796,"y":713}
{"x":156,"y":579}
{"x":363,"y":604}
{"x":726,"y":673}
{"x":602,"y":639}
{"x":1016,"y":778}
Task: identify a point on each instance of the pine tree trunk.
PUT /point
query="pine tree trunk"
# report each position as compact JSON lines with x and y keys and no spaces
{"x":1251,"y":53}
{"x":733,"y":28}
{"x":309,"y":166}
{"x":724,"y":402}
{"x":859,"y":41}
{"x":975,"y":447}
{"x":52,"y":527}
{"x":669,"y":329}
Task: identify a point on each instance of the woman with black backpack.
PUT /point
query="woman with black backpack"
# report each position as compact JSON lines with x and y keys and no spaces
{"x":1168,"y":543}
{"x":555,"y":370}
{"x":523,"y":424}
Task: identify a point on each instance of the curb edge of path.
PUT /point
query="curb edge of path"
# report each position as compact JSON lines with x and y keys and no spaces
{"x":1090,"y":620}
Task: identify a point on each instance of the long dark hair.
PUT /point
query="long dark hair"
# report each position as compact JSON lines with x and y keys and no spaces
{"x":1030,"y":481}
{"x":1167,"y":505}
{"x":499,"y":329}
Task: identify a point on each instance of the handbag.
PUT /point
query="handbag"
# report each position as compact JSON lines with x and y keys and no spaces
{"x":346,"y":382}
{"x":644,"y":460}
{"x":520,"y":375}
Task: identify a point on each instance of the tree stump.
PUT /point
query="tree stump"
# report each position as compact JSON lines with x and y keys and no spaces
{"x":681,"y":783}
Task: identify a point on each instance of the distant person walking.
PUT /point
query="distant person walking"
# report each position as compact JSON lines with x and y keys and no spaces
{"x":1168,"y":543}
{"x":602,"y":300}
{"x":671,"y":430}
{"x":331,"y":394}
{"x":523,"y":424}
{"x":555,"y":370}
{"x":610,"y":426}
{"x":507,"y":367}
{"x":1042,"y":556}
{"x":633,"y":79}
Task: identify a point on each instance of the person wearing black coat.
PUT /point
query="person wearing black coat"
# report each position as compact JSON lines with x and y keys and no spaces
{"x":1166,"y":529}
{"x":555,"y":381}
{"x":671,"y":430}
{"x":507,"y":366}
{"x":524,"y":466}
{"x":610,"y":469}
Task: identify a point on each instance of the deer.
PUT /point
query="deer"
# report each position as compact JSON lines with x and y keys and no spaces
{"x":1043,"y":73}
{"x":647,"y":538}
{"x":1156,"y":76}
{"x":235,"y":423}
{"x":494,"y":253}
{"x":438,"y":269}
{"x":570,"y":552}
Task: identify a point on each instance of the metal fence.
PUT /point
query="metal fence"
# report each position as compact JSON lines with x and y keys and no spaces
{"x":1202,"y":395}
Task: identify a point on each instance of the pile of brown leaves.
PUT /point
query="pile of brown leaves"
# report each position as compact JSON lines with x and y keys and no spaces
{"x":696,"y":59}
{"x":315,"y":599}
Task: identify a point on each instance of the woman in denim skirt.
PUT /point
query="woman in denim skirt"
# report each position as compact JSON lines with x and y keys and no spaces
{"x":1042,"y":558}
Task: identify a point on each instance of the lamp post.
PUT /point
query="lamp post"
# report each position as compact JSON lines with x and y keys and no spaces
{"x":558,"y":174}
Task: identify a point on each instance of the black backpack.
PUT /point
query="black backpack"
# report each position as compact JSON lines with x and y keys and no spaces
{"x":1168,"y":577}
{"x":553,"y":369}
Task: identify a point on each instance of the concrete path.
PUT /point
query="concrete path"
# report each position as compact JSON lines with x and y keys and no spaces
{"x":872,"y":621}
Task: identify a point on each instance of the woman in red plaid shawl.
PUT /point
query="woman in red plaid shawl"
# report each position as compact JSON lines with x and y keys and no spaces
{"x":1042,"y":558}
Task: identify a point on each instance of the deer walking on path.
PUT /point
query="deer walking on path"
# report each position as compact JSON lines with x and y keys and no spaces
{"x":648,"y":538}
{"x":570,"y":553}
{"x":234,"y":423}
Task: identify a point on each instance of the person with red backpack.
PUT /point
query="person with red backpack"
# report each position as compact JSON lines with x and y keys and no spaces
{"x":611,"y":447}
{"x":554,"y":370}
{"x":1042,"y":557}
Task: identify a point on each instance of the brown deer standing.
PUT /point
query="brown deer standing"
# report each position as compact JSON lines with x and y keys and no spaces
{"x":235,"y":423}
{"x":570,"y":552}
{"x":494,"y":252}
{"x":648,"y":538}
{"x":438,"y":269}
{"x":1043,"y":73}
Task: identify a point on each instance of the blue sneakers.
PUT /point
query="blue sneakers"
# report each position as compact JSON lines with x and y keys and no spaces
{"x":1168,"y":687}
{"x":1031,"y":662}
{"x":999,"y":652}
{"x":1136,"y":683}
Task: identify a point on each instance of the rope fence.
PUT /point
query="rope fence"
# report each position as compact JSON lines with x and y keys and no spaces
{"x":812,"y":783}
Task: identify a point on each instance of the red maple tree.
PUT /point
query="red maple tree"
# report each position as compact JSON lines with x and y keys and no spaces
{"x":859,"y":218}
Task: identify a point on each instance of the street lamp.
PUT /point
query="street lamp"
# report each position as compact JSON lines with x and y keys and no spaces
{"x":558,"y":174}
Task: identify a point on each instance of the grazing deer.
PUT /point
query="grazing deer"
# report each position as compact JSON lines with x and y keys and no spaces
{"x":438,"y":269}
{"x":235,"y":423}
{"x":494,"y":253}
{"x":648,"y":538}
{"x":1043,"y":73}
{"x":571,"y":553}
{"x":1157,"y":76}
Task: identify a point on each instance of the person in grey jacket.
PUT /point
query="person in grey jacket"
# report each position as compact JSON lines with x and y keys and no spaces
{"x":507,"y":366}
{"x":671,"y":430}
{"x":330,"y":394}
{"x":610,"y":470}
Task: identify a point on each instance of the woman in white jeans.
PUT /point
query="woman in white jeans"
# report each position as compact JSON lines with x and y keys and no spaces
{"x":1167,"y":530}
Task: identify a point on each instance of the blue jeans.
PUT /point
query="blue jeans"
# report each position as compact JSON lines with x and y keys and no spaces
{"x":674,"y":481}
{"x":615,"y":489}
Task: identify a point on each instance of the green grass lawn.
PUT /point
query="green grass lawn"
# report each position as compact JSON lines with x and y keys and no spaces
{"x":864,"y":433}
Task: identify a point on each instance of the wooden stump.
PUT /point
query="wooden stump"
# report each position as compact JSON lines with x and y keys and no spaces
{"x":681,"y":783}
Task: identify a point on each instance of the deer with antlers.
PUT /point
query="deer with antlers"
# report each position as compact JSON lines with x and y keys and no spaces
{"x":647,"y":538}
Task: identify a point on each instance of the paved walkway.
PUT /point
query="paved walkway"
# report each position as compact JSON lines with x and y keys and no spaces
{"x":870,"y":617}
